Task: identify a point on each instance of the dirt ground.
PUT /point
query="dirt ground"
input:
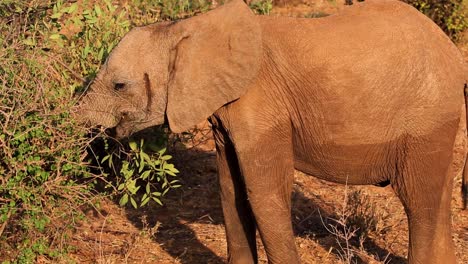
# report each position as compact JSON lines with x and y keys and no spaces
{"x":189,"y":227}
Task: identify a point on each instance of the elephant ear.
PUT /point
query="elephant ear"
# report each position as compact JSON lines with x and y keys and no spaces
{"x":216,"y":56}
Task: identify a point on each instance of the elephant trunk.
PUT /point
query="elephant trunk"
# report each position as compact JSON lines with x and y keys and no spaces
{"x":94,"y":111}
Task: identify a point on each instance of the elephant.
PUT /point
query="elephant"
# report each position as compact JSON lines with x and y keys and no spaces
{"x":371,"y":95}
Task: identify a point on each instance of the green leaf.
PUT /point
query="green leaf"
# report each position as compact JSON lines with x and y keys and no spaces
{"x":170,"y":169}
{"x":148,"y":188}
{"x":56,"y":15}
{"x":144,"y":201}
{"x":125,"y":171}
{"x":110,"y":7}
{"x":145,"y":156}
{"x":144,"y":196}
{"x":86,"y":51}
{"x":141,"y":166}
{"x":110,"y":163}
{"x":98,"y":10}
{"x":133,"y":203}
{"x":145,"y":174}
{"x":121,"y":186}
{"x":29,"y":42}
{"x":131,"y":186}
{"x":123,"y":200}
{"x":156,"y":200}
{"x":166,"y":157}
{"x":101,"y":54}
{"x":133,"y":145}
{"x":55,"y":36}
{"x":72,"y":8}
{"x":170,"y":173}
{"x":162,"y":151}
{"x":168,"y":166}
{"x":105,"y":158}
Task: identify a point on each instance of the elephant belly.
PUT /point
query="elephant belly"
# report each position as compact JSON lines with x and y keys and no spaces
{"x":347,"y":164}
{"x":369,"y":162}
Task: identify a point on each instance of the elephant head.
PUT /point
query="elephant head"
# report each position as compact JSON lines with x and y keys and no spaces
{"x":180,"y":71}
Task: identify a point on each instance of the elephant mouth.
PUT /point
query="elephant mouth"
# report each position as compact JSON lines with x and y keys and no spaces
{"x":128,"y":126}
{"x":131,"y":123}
{"x":122,"y":132}
{"x":125,"y":127}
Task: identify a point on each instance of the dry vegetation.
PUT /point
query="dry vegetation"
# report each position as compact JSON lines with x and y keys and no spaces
{"x":60,"y":218}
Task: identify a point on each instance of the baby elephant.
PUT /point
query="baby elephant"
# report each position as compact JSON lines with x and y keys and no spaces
{"x":288,"y":93}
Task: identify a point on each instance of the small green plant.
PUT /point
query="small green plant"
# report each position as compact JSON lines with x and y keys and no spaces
{"x":262,"y":7}
{"x":145,"y":166}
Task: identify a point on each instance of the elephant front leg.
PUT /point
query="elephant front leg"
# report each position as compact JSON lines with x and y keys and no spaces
{"x":238,"y":218}
{"x":268,"y":171}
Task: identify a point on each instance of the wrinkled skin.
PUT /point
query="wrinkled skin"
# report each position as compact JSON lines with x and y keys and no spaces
{"x":369,"y":96}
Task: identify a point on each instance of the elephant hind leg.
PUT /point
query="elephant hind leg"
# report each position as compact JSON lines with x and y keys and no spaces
{"x":423,"y":182}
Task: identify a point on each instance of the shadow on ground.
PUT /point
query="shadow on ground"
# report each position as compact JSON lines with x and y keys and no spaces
{"x":197,"y":202}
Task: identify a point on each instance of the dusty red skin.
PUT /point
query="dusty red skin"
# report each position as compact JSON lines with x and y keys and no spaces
{"x":371,"y":95}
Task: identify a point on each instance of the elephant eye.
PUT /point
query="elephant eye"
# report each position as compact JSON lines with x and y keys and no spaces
{"x":119,"y":86}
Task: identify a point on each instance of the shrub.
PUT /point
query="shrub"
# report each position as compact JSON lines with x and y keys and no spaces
{"x":42,"y":177}
{"x":262,"y":7}
{"x":358,"y":218}
{"x":49,"y":50}
{"x":94,"y":29}
{"x":448,"y":14}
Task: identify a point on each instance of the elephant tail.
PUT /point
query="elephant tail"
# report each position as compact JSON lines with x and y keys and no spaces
{"x":465,"y":169}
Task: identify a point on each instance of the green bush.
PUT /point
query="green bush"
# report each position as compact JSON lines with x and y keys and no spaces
{"x":142,"y":167}
{"x":450,"y":15}
{"x":93,"y":30}
{"x":42,"y":177}
{"x":49,"y":50}
{"x":262,"y":7}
